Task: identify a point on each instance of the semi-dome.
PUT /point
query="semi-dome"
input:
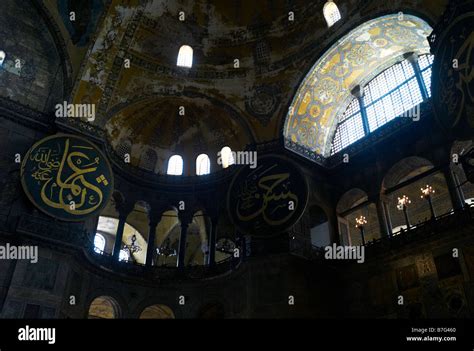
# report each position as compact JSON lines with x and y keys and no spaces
{"x":158,"y":128}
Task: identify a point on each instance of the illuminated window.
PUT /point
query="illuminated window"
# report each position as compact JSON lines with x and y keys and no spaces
{"x":425,"y":63}
{"x":227,"y":158}
{"x":2,"y":57}
{"x":124,"y":255}
{"x":391,"y":94}
{"x":331,"y":13}
{"x":175,"y":165}
{"x":185,"y":56}
{"x":350,"y":128}
{"x":99,"y":243}
{"x":203,"y":164}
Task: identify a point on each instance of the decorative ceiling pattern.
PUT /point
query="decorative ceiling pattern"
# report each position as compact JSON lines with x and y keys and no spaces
{"x":157,"y":124}
{"x":353,"y":60}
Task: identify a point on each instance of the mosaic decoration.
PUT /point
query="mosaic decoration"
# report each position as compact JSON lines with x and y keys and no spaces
{"x":67,"y":177}
{"x":268,"y":199}
{"x":263,"y":102}
{"x":353,"y":60}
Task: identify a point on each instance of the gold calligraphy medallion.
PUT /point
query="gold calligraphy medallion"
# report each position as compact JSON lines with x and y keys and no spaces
{"x":67,"y":177}
{"x":453,"y":77}
{"x":269,"y":199}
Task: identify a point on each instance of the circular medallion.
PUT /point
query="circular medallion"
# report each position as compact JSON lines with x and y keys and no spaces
{"x":67,"y":177}
{"x":268,"y":197}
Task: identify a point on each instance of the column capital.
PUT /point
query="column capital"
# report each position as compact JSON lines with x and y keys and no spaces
{"x":124,"y":209}
{"x":185,"y":217}
{"x":357,"y":91}
{"x":412,"y":57}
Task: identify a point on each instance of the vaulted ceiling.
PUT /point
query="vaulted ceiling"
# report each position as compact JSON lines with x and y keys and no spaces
{"x":276,"y":42}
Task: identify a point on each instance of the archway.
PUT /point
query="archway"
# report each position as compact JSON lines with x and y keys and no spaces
{"x":104,"y":307}
{"x":354,"y":60}
{"x":406,"y":178}
{"x":353,"y":205}
{"x":157,"y":312}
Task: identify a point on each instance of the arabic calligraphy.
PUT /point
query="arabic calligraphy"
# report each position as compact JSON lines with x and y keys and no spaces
{"x":453,"y":95}
{"x":268,"y":198}
{"x":66,"y":177}
{"x":466,"y":75}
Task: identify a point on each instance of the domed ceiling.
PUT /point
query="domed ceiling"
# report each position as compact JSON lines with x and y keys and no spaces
{"x":131,"y":61}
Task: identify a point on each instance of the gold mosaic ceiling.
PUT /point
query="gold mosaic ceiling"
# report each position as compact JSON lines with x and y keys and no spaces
{"x":274,"y":55}
{"x":353,"y":60}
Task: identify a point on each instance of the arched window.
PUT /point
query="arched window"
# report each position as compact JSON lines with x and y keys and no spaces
{"x":99,"y":243}
{"x":2,"y":57}
{"x":349,"y":69}
{"x":227,"y":157}
{"x":148,"y":160}
{"x":331,"y":13}
{"x":185,"y":56}
{"x":175,"y":165}
{"x":203,"y":164}
{"x":395,"y":92}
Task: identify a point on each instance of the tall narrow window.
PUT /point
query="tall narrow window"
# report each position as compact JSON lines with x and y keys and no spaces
{"x":175,"y":165}
{"x":99,"y":243}
{"x":331,"y":13}
{"x":203,"y":164}
{"x":185,"y":56}
{"x":227,"y":158}
{"x":2,"y":57}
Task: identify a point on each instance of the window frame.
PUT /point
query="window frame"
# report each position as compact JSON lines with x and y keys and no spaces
{"x":365,"y":106}
{"x":181,"y":163}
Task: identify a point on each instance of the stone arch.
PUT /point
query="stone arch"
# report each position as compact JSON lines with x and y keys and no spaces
{"x":104,"y":307}
{"x":157,"y":311}
{"x":350,"y":199}
{"x":404,"y":169}
{"x":321,"y":97}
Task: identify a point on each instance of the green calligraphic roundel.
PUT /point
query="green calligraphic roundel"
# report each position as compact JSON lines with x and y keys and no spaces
{"x":453,"y":77}
{"x":269,"y":198}
{"x":67,"y":177}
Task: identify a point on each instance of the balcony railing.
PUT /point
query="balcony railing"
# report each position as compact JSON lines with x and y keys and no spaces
{"x":461,"y":219}
{"x":137,"y":270}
